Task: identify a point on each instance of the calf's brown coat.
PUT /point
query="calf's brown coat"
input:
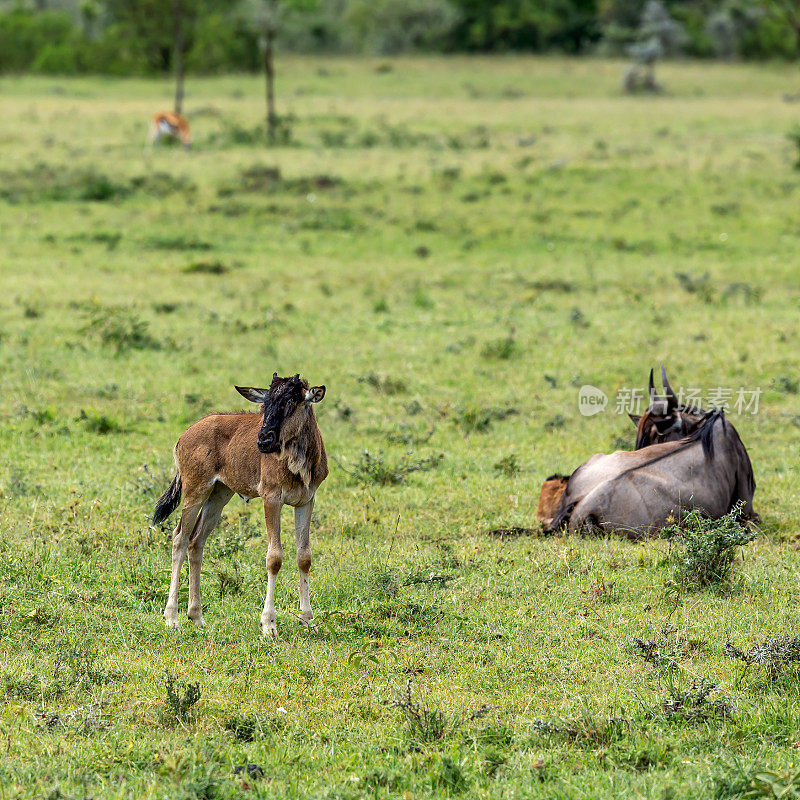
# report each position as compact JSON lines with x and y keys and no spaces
{"x":277,"y":455}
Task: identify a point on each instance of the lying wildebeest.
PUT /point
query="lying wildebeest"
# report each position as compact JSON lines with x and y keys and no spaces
{"x":664,"y":421}
{"x":637,"y":492}
{"x":280,"y":459}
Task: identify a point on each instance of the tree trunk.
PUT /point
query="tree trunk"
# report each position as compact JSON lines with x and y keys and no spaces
{"x":177,"y":10}
{"x":269,"y":70}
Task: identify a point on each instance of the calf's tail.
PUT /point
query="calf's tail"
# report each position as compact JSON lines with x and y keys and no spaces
{"x":168,"y":501}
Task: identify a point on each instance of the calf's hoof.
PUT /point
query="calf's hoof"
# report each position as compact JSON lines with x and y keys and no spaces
{"x":268,"y":629}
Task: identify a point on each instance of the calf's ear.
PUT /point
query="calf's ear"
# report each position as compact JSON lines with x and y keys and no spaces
{"x":315,"y":394}
{"x":635,"y":419}
{"x":252,"y":394}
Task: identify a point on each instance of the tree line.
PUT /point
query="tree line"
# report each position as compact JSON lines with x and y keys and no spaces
{"x":130,"y":37}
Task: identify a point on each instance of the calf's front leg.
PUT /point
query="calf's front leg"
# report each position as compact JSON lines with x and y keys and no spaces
{"x":272,"y":516}
{"x":302,"y":526}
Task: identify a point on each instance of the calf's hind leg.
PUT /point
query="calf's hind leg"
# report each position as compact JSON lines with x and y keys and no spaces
{"x":209,"y":517}
{"x":180,"y":543}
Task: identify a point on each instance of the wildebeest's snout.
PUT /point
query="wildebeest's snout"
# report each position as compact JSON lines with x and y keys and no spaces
{"x":268,"y":441}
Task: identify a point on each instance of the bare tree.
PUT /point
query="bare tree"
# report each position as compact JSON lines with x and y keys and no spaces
{"x":179,"y":44}
{"x":270,"y":30}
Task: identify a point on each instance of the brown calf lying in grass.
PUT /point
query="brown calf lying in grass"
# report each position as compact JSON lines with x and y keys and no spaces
{"x":280,"y":458}
{"x":550,"y":498}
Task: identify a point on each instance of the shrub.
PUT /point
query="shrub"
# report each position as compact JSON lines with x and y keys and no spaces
{"x":58,"y":58}
{"x":794,"y":137}
{"x":25,"y":33}
{"x":430,"y":724}
{"x":99,"y":423}
{"x":214,"y":267}
{"x":92,"y":186}
{"x":709,"y":547}
{"x":373,"y":469}
{"x":179,"y":703}
{"x":246,"y":727}
{"x":120,"y":328}
{"x":774,"y":654}
{"x":692,"y":704}
{"x":508,"y":466}
{"x":502,"y":348}
{"x":383,"y":384}
{"x":586,"y":730}
{"x":476,"y":419}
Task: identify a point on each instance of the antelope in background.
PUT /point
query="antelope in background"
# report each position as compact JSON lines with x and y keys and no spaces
{"x":167,"y":124}
{"x":276,"y":454}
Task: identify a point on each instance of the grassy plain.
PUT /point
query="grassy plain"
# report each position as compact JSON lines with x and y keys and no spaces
{"x":453,"y":246}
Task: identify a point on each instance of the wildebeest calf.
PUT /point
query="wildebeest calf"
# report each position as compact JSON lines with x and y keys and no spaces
{"x":277,"y":454}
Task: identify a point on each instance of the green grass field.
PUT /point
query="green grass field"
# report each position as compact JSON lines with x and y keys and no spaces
{"x":454,"y":247}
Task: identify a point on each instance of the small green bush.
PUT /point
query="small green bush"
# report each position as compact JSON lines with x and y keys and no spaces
{"x":709,"y":547}
{"x":179,"y":703}
{"x":374,"y":469}
{"x":120,"y":328}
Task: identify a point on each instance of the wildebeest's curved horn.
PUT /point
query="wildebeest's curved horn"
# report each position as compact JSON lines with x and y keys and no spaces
{"x":651,"y":388}
{"x":672,"y":401}
{"x":274,"y":375}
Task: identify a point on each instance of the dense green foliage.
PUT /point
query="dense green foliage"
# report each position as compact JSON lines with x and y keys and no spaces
{"x":136,"y":37}
{"x":454,"y":246}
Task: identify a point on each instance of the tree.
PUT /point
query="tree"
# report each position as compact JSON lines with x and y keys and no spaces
{"x":179,"y":52}
{"x":266,"y":16}
{"x":161,"y":33}
{"x":787,"y":11}
{"x":659,"y":35}
{"x":728,"y":25}
{"x":532,"y":25}
{"x":270,"y":31}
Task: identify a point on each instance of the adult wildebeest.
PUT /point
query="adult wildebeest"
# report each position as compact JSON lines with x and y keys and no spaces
{"x":685,"y":458}
{"x":280,"y":459}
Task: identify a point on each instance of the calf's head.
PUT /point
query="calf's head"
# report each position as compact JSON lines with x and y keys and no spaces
{"x":665,"y":420}
{"x":287,"y":406}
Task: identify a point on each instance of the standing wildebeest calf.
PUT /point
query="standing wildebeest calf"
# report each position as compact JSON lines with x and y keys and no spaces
{"x":280,"y":459}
